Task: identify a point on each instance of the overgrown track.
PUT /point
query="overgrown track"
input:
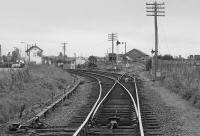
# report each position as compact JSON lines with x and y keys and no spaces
{"x":82,"y":113}
{"x":149,"y":118}
{"x":113,"y":108}
{"x":119,"y":113}
{"x":116,"y":113}
{"x":106,"y":85}
{"x":103,"y":85}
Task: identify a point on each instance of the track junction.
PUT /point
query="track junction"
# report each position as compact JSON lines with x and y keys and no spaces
{"x":115,"y":108}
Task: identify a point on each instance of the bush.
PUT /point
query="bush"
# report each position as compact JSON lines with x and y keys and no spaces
{"x":148,"y":64}
{"x":182,"y":79}
{"x":19,"y":77}
{"x":165,"y":57}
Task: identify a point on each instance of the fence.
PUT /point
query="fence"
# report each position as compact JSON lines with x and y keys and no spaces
{"x":182,"y":77}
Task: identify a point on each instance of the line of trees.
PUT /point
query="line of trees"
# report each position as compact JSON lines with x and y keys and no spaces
{"x":12,"y":57}
{"x":165,"y":57}
{"x":92,"y":62}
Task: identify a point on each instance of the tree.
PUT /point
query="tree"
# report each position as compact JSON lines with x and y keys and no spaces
{"x":160,"y":57}
{"x":9,"y":57}
{"x":59,"y":61}
{"x":4,"y":57}
{"x":60,"y":54}
{"x":15,"y":55}
{"x":148,"y":64}
{"x":168,"y":57}
{"x":92,"y":61}
{"x":165,"y":57}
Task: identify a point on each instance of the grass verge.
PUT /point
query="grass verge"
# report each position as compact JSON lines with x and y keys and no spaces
{"x":182,"y":79}
{"x":23,"y":93}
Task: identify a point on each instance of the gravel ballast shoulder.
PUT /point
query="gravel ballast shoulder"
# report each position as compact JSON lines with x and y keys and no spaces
{"x":176,"y":116}
{"x":69,"y":108}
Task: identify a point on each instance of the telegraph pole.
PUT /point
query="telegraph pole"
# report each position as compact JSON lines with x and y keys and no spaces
{"x":155,"y":9}
{"x":0,"y":54}
{"x":75,"y":59}
{"x":64,"y":48}
{"x":28,"y":53}
{"x":112,"y":37}
{"x":125,"y":48}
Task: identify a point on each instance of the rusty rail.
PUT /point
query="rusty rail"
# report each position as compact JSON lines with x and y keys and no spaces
{"x":45,"y":111}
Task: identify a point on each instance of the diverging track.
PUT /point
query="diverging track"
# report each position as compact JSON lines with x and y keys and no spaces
{"x":113,"y":109}
{"x":117,"y":113}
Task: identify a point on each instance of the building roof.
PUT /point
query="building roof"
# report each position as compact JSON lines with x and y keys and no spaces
{"x":32,"y":47}
{"x":135,"y":53}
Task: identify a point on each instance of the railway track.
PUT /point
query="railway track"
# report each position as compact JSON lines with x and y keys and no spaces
{"x":113,"y":109}
{"x":120,"y":112}
{"x":116,"y":114}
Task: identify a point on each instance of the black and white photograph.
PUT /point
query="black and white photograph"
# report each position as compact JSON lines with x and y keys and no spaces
{"x":99,"y":68}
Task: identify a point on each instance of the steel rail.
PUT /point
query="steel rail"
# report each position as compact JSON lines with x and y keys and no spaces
{"x":106,"y":95}
{"x":103,"y":99}
{"x":107,"y":92}
{"x":48,"y":108}
{"x":139,"y":112}
{"x":116,"y":81}
{"x":94,"y":109}
{"x":108,"y":72}
{"x":100,"y":75}
{"x":89,"y":115}
{"x":121,"y":75}
{"x":138,"y":106}
{"x":134,"y":103}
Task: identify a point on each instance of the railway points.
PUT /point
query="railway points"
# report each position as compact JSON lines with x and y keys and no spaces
{"x":113,"y":108}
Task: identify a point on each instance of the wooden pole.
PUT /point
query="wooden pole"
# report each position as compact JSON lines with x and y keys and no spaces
{"x":156,"y":41}
{"x":155,"y":9}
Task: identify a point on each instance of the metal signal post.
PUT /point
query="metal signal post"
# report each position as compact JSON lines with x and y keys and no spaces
{"x":155,"y":9}
{"x":124,"y":47}
{"x":112,"y":37}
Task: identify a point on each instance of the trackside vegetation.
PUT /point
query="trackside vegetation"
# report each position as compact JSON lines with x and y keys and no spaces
{"x":25,"y":92}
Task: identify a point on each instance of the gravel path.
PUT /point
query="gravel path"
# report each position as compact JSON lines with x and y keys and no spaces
{"x":69,"y":109}
{"x":177,"y":116}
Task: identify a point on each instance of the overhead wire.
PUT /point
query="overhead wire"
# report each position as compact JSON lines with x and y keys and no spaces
{"x":163,"y":37}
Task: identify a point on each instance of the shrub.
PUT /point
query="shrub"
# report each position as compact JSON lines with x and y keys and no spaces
{"x":19,"y":77}
{"x":182,"y":79}
{"x":47,"y":85}
{"x":148,"y":64}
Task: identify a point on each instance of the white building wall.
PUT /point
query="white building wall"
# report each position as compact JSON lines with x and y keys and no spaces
{"x":34,"y":56}
{"x":72,"y":65}
{"x":80,"y":61}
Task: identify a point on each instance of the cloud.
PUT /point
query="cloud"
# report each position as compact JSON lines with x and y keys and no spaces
{"x":85,"y":25}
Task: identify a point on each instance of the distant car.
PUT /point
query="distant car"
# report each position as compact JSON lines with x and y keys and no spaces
{"x":60,"y":64}
{"x":17,"y":65}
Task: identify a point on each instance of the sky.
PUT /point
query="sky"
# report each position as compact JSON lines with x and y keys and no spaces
{"x":85,"y":25}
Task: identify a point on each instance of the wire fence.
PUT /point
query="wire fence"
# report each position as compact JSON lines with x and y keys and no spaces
{"x":182,"y":77}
